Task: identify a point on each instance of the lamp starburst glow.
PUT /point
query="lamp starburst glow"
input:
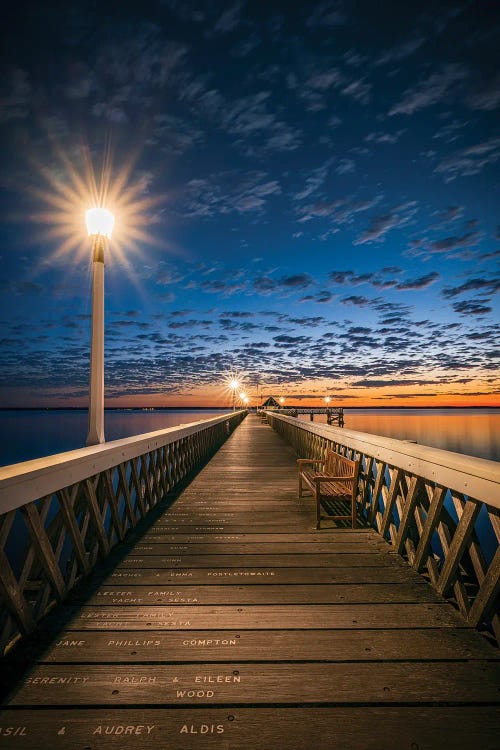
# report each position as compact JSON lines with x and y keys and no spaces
{"x":99,"y":221}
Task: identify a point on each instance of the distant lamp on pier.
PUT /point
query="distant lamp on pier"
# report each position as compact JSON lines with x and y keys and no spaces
{"x":282,"y":400}
{"x":100,"y":224}
{"x":327,"y":401}
{"x":234,"y":385}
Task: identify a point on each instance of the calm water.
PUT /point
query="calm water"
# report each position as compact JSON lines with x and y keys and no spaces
{"x":31,"y":434}
{"x":475,"y":432}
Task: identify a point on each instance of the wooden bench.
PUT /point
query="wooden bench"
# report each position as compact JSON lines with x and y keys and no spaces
{"x":337,"y":481}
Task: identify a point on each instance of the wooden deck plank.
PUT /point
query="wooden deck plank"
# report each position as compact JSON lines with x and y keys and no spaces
{"x":167,"y":576}
{"x":359,"y":537}
{"x":297,"y":616}
{"x":268,"y":645}
{"x":349,"y":728}
{"x":265,"y":594}
{"x":325,"y":561}
{"x":257,"y":548}
{"x":311,"y":682}
{"x":234,"y":623}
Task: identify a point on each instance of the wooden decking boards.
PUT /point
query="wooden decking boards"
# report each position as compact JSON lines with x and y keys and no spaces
{"x":233,"y":623}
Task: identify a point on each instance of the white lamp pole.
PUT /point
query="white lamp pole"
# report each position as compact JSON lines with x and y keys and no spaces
{"x":234,"y":385}
{"x":99,"y":226}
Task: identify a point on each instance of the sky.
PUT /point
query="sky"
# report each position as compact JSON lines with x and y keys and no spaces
{"x":305,"y":196}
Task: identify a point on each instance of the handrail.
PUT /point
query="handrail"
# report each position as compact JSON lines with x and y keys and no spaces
{"x":440,"y":510}
{"x":60,"y":514}
{"x":28,"y":480}
{"x":474,"y":476}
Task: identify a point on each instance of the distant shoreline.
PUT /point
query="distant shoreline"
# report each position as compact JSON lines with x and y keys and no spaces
{"x":229,"y":408}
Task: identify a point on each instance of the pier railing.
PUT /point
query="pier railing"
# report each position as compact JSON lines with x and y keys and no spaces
{"x":439,"y":510}
{"x":61,"y":513}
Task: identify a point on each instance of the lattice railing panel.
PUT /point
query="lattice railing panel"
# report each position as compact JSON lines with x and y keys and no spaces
{"x":413,"y":496}
{"x":49,"y":543}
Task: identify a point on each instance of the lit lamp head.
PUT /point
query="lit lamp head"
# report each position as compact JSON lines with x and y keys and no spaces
{"x":234,"y":385}
{"x":327,"y":400}
{"x":100,"y":224}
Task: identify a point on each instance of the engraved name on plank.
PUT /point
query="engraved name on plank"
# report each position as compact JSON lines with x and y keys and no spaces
{"x":202,"y":729}
{"x":251,"y":573}
{"x":13,"y":731}
{"x":119,"y":729}
{"x":110,"y":619}
{"x":170,"y":573}
{"x":206,"y":679}
{"x":56,"y":680}
{"x":167,"y":597}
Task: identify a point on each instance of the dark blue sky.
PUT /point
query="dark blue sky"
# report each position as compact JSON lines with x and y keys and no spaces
{"x":306,"y":194}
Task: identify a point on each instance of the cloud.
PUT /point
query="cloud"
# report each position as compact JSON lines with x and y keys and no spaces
{"x":383,"y":223}
{"x":346,"y":166}
{"x":15,"y":99}
{"x":340,"y":211}
{"x":435,"y":89}
{"x":248,"y":118}
{"x":321,"y":297}
{"x":389,"y":138}
{"x":266,"y":284}
{"x":421,"y":283}
{"x":471,"y":308}
{"x":487,"y":97}
{"x":358,"y":90}
{"x":452,"y":213}
{"x":229,"y":19}
{"x":328,"y":14}
{"x":356,"y":300}
{"x":469,"y":161}
{"x":174,"y":134}
{"x":298,"y":281}
{"x":229,"y":192}
{"x":313,"y":181}
{"x":448,"y":244}
{"x":488,"y":286}
{"x":400,"y":51}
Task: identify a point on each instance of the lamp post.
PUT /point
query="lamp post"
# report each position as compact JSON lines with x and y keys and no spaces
{"x":100,"y":223}
{"x":234,"y":385}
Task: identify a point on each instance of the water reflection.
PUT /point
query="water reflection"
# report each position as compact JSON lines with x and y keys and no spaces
{"x":470,"y":431}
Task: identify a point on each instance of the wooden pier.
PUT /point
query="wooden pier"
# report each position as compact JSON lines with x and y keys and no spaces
{"x":231,"y":623}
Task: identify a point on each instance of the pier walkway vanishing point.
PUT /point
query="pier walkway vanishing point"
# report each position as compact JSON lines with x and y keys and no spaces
{"x":233,"y":623}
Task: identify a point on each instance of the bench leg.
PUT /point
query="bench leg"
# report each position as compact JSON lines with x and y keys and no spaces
{"x":318,"y":511}
{"x":300,"y":485}
{"x":353,"y":513}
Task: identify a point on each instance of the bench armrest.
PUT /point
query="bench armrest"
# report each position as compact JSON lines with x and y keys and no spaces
{"x":331,"y":478}
{"x":301,"y":461}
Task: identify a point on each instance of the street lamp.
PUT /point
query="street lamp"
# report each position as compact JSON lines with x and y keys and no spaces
{"x":327,"y":401}
{"x":234,"y":385}
{"x":282,"y":401}
{"x":100,"y":223}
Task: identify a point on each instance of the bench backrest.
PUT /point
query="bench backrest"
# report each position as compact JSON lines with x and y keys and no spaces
{"x":340,"y":466}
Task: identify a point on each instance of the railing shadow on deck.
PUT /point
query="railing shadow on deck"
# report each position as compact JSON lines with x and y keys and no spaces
{"x":439,"y":510}
{"x":61,"y":514}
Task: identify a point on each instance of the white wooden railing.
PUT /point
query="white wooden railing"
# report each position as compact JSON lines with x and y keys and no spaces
{"x":440,"y":510}
{"x":61,"y":513}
